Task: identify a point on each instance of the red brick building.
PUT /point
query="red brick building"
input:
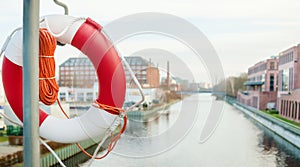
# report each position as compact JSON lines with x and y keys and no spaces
{"x":289,"y":83}
{"x":145,"y":72}
{"x":261,"y":85}
{"x":77,"y":73}
{"x":152,"y":76}
{"x":80,"y":73}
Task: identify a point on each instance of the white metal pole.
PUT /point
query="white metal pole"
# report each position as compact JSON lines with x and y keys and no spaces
{"x":31,"y":152}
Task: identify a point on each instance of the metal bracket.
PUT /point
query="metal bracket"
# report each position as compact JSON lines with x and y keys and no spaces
{"x":62,"y":5}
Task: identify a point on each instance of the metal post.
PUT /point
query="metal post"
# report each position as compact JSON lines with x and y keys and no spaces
{"x":31,"y":144}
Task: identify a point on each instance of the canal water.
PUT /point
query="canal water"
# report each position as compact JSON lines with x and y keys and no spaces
{"x":236,"y":141}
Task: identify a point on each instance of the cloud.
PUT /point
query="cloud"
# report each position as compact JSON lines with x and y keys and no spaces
{"x":243,"y":31}
{"x":241,"y":50}
{"x":268,"y":9}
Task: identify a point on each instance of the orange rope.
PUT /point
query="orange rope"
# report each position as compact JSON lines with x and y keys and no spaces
{"x":48,"y":88}
{"x":113,"y":139}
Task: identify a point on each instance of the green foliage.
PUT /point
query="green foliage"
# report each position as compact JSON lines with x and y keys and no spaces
{"x":287,"y":120}
{"x":275,"y":114}
{"x":14,"y":130}
{"x":271,"y":111}
{"x":3,"y":138}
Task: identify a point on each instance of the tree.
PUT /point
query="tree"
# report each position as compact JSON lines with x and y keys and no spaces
{"x":231,"y":85}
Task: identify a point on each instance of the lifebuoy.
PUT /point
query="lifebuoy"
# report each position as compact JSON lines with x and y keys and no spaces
{"x":85,"y":35}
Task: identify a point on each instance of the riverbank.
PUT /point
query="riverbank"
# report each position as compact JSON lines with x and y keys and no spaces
{"x":287,"y":131}
{"x":160,"y":109}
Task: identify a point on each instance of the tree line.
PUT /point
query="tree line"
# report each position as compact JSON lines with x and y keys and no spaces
{"x":231,"y":85}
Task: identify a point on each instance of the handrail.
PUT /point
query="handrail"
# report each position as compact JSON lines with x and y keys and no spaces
{"x":285,"y":125}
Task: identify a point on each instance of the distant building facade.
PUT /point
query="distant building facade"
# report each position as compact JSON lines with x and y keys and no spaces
{"x":153,"y":77}
{"x":145,"y":72}
{"x":77,"y":77}
{"x":289,"y":83}
{"x":77,"y":73}
{"x":184,"y":83}
{"x":67,"y":94}
{"x":261,"y":85}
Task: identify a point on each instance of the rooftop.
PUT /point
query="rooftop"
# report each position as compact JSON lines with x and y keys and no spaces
{"x":77,"y":61}
{"x":135,"y":60}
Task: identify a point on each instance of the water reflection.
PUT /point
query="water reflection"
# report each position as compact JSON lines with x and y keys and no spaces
{"x":272,"y":144}
{"x":237,"y":141}
{"x":153,"y":126}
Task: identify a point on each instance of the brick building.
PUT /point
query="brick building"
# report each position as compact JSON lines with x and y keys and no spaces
{"x":145,"y":72}
{"x":289,"y":83}
{"x":77,"y":73}
{"x":261,"y":85}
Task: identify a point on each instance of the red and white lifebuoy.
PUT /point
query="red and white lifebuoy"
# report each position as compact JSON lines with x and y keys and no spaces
{"x":85,"y":35}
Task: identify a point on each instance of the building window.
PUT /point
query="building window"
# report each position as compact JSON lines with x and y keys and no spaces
{"x":285,"y":80}
{"x":291,"y":79}
{"x":254,"y":101}
{"x":62,"y":96}
{"x":285,"y":108}
{"x":80,"y":97}
{"x":89,"y":96}
{"x":298,"y":110}
{"x":271,"y":82}
{"x":272,"y":66}
{"x":262,"y":79}
{"x":286,"y":58}
{"x":281,"y":107}
{"x":292,"y":109}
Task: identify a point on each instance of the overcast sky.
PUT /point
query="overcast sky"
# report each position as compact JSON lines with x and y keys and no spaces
{"x":242,"y":32}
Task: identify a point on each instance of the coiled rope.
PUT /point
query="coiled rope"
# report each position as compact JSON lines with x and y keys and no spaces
{"x":48,"y":88}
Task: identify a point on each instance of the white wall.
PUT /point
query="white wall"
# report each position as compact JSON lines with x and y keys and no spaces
{"x":76,"y":92}
{"x":2,"y":95}
{"x":132,"y":94}
{"x":2,"y":124}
